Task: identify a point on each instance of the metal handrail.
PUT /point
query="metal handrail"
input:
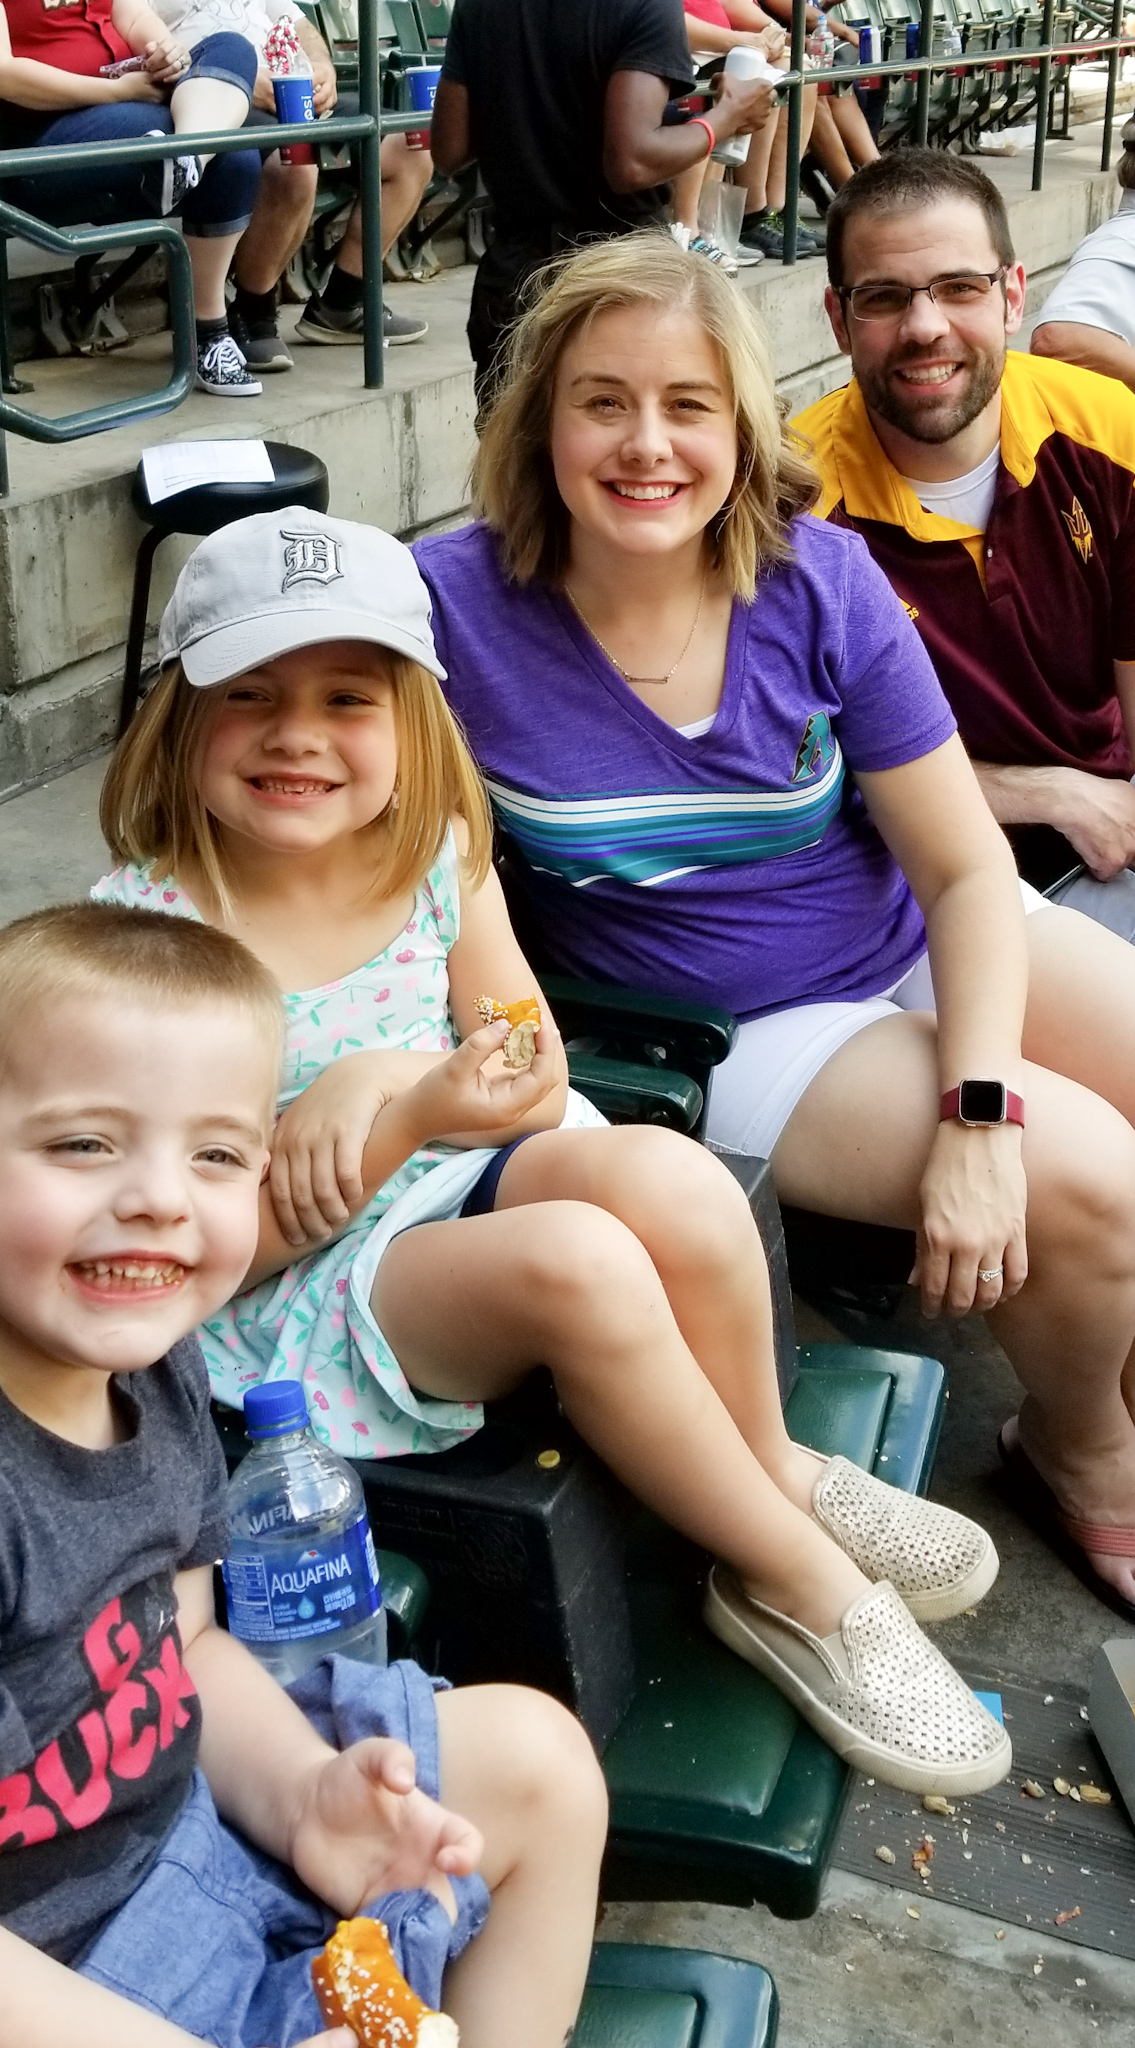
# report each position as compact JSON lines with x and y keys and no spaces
{"x":925,"y":66}
{"x":367,"y":128}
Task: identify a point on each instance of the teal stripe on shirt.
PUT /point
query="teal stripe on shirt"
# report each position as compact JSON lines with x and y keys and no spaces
{"x":654,"y":838}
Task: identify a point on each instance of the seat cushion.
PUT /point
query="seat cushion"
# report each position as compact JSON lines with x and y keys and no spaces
{"x":675,"y":1998}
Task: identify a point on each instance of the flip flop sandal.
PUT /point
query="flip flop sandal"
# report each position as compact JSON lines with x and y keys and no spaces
{"x":876,"y":1689}
{"x":1035,"y":1501}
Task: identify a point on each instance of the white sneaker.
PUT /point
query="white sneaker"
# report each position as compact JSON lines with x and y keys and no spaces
{"x":221,"y":371}
{"x":681,"y":233}
{"x":938,"y":1562}
{"x":876,"y":1689}
{"x":165,"y":184}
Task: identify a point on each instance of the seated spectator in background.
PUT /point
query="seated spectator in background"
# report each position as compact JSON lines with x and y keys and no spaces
{"x":765,"y":805}
{"x":52,"y":93}
{"x":286,"y":199}
{"x":1089,"y":319}
{"x":995,"y":491}
{"x":564,"y":109}
{"x":712,"y":35}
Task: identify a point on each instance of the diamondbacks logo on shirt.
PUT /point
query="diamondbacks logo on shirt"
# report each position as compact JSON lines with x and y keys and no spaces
{"x":816,"y":748}
{"x":1080,"y":531}
{"x":311,"y":558}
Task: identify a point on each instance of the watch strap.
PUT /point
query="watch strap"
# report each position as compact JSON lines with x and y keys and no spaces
{"x":950,"y":1106}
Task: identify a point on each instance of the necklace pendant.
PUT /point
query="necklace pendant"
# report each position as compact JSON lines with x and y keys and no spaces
{"x":655,"y":682}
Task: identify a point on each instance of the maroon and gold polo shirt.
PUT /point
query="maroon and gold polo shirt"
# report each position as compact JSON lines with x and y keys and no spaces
{"x":1024,"y":621}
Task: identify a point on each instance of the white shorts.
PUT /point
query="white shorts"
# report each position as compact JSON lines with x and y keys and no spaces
{"x":775,"y":1059}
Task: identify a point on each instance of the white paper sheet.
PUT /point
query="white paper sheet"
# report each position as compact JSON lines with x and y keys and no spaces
{"x":181,"y":465}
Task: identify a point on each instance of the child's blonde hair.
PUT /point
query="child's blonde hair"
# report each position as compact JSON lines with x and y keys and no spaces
{"x":83,"y":951}
{"x":151,"y":809}
{"x":514,"y":487}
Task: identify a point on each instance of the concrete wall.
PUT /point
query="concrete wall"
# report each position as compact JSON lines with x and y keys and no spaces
{"x":399,"y":457}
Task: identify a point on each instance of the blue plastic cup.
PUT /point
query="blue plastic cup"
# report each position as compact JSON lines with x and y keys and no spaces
{"x":423,"y":87}
{"x":913,"y":33}
{"x":294,"y":102}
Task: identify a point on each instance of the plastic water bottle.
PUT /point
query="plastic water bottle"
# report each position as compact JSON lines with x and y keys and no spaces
{"x":301,"y":1577}
{"x":952,"y":43}
{"x":821,"y":45}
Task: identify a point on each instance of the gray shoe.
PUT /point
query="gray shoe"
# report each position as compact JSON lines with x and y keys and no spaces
{"x":260,"y":342}
{"x":333,"y":327}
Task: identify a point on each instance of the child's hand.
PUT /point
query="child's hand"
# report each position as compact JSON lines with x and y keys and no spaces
{"x":462,"y":1099}
{"x":317,"y":1147}
{"x":363,"y":1828}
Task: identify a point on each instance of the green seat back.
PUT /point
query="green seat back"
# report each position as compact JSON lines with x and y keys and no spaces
{"x":718,"y":1790}
{"x":674,"y":1998}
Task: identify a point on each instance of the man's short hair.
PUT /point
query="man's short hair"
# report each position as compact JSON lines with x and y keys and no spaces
{"x":85,"y":951}
{"x":906,"y":180}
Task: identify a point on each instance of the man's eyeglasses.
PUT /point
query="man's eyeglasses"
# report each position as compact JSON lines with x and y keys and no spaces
{"x":891,"y":301}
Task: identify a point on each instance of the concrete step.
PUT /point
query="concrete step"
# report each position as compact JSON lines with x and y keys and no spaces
{"x":398,"y":457}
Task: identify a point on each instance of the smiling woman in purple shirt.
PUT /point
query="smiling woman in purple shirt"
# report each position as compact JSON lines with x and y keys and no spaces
{"x":715,"y":740}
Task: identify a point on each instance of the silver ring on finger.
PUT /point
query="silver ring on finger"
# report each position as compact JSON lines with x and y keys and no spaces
{"x":988,"y":1273}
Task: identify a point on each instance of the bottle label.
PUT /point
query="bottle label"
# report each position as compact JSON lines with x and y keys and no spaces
{"x":285,"y":1594}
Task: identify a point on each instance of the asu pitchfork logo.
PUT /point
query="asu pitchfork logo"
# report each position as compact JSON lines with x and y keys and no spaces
{"x":1078,"y":527}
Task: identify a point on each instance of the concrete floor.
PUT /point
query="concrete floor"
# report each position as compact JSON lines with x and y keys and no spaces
{"x":861,"y":1973}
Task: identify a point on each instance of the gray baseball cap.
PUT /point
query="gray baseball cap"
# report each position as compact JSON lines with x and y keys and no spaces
{"x":280,"y":580}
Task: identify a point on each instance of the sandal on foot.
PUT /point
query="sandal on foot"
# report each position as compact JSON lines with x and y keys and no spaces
{"x":878,"y":1692}
{"x":1035,"y":1501}
{"x":938,"y":1562}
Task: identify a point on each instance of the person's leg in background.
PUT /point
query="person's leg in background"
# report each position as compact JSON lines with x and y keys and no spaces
{"x":763,"y":225}
{"x":494,"y":309}
{"x":281,"y":217}
{"x":216,"y":92}
{"x":335,"y":315}
{"x":841,"y":141}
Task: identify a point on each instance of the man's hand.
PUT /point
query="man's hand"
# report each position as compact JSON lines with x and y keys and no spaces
{"x":741,"y":107}
{"x":324,"y":88}
{"x":363,"y":1828}
{"x":263,"y":96}
{"x":1097,"y":813}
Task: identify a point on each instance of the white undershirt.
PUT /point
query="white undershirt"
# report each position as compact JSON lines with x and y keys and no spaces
{"x":695,"y":730}
{"x":968,"y":500}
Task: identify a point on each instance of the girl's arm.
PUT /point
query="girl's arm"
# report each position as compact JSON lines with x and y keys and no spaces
{"x":45,"y":89}
{"x":486,"y":960}
{"x":45,"y":2004}
{"x":710,"y":36}
{"x":934,"y":819}
{"x":351,"y":1823}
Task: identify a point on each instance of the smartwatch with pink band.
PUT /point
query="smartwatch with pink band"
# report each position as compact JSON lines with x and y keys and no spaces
{"x":984,"y":1103}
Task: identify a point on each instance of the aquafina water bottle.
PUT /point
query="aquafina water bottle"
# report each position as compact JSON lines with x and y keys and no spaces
{"x":301,"y":1576}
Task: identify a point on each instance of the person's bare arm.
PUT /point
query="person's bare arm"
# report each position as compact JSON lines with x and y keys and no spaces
{"x":1096,"y":813}
{"x":451,"y":145}
{"x":711,"y":37}
{"x":46,"y":89}
{"x":325,"y":90}
{"x":1089,"y":348}
{"x":638,"y":151}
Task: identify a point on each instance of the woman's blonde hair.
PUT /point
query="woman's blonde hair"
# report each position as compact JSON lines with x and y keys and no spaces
{"x":152,"y":811}
{"x":514,"y":487}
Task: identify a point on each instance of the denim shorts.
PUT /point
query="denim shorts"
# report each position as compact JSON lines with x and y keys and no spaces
{"x":219,"y":1938}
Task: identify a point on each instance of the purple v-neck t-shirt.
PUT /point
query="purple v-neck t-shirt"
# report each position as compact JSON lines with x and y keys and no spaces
{"x":737,"y":868}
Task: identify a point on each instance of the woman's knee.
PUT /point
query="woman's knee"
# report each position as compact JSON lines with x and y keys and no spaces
{"x":228,"y":57}
{"x":1082,"y":1192}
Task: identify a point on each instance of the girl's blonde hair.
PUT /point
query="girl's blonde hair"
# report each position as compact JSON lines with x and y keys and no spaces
{"x":514,"y":488}
{"x":152,"y":811}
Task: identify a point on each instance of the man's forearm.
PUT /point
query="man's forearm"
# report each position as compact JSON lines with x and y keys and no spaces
{"x":1024,"y":796}
{"x":1088,"y":348}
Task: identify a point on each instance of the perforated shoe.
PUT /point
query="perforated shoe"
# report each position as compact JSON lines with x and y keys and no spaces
{"x":221,"y":371}
{"x":876,"y":1690}
{"x":938,"y":1562}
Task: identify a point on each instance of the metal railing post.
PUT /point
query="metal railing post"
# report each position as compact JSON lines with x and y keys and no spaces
{"x":795,"y":130}
{"x":1044,"y":77}
{"x":370,"y":194}
{"x":1114,"y":60}
{"x":922,"y":89}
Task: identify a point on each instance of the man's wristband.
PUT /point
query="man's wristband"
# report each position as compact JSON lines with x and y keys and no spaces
{"x":984,"y":1103}
{"x":696,"y":121}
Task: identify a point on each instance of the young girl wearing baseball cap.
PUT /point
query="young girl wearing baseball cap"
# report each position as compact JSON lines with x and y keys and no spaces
{"x":435,"y":1223}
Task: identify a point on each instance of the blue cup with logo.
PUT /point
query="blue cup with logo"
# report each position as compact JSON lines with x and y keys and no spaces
{"x":294,"y":102}
{"x":423,"y":88}
{"x":913,"y":34}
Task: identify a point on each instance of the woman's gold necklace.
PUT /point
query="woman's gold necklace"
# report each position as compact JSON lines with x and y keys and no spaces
{"x":655,"y":682}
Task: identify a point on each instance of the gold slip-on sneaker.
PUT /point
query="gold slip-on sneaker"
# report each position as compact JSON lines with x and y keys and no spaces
{"x":939,"y":1563}
{"x":877,"y":1691}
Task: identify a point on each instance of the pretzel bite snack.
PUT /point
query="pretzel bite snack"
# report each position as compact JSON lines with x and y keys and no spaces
{"x":359,"y":1985}
{"x":524,"y":1017}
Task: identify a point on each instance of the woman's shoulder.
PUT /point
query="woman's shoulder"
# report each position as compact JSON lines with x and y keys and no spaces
{"x":141,"y":889}
{"x":450,"y":560}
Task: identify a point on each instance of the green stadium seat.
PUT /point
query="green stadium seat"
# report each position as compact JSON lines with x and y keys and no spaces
{"x":674,"y":1998}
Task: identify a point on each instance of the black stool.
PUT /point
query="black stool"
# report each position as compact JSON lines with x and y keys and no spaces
{"x":298,"y":478}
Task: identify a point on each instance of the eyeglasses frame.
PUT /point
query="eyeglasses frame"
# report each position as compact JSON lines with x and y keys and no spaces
{"x":846,"y":292}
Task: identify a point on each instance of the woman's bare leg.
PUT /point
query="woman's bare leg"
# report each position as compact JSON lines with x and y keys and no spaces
{"x":470,"y":1306}
{"x":520,"y":1766}
{"x":856,"y":1146}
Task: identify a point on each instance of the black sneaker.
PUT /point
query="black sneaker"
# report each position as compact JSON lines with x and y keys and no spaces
{"x":259,"y":341}
{"x":166,"y":184}
{"x":766,"y":233}
{"x":221,"y":371}
{"x":333,"y":327}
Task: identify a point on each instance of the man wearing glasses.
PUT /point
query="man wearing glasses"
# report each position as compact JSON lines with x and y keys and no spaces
{"x":997,"y":492}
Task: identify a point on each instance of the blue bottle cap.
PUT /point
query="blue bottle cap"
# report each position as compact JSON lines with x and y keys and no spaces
{"x":275,"y":1410}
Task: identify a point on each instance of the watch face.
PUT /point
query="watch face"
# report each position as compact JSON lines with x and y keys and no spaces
{"x":982,"y":1102}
